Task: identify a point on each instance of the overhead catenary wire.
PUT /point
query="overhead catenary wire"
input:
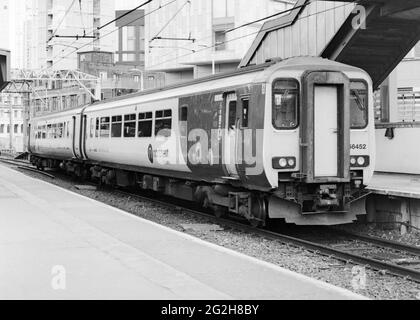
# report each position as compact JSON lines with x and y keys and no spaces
{"x":112,"y":31}
{"x":246,"y":35}
{"x":91,"y":32}
{"x":169,"y":21}
{"x":62,"y":20}
{"x":215,"y":45}
{"x":125,"y":14}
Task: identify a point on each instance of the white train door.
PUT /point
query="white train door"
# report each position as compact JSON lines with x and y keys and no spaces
{"x":326,"y":131}
{"x":231,"y":132}
{"x":76,"y":136}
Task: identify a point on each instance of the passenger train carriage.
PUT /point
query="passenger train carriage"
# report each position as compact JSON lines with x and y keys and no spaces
{"x":290,"y":139}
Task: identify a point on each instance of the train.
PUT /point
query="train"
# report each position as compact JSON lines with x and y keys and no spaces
{"x":290,"y":140}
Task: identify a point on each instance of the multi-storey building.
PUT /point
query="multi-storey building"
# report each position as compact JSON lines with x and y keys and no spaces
{"x":57,"y":28}
{"x":191,"y":39}
{"x":11,"y":122}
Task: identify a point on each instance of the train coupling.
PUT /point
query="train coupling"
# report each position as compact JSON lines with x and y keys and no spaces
{"x":327,"y":196}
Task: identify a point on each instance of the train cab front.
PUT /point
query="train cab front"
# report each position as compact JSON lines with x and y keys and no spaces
{"x":323,"y":162}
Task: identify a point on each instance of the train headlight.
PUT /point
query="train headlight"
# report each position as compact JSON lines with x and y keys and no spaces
{"x":291,"y":162}
{"x":359,"y":161}
{"x":284,"y":163}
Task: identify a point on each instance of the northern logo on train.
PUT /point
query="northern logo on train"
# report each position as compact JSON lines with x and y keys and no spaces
{"x":150,"y":153}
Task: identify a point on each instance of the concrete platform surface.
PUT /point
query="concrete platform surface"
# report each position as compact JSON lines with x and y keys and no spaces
{"x":55,"y":244}
{"x":396,"y":184}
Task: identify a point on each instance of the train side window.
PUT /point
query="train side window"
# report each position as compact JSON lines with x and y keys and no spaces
{"x":183,"y":115}
{"x":98,"y":127}
{"x":129,"y":126}
{"x":68,"y":129}
{"x":104,"y":132}
{"x":54,"y":131}
{"x":44,"y":132}
{"x":145,"y":125}
{"x":92,"y":127}
{"x":245,"y":113}
{"x":116,"y":127}
{"x":285,"y":104}
{"x":163,"y":123}
{"x":63,"y":133}
{"x":183,"y":121}
{"x":60,"y":130}
{"x":359,"y":103}
{"x":232,"y":115}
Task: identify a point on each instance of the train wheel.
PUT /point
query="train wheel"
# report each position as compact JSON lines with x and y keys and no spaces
{"x":255,"y":223}
{"x":259,"y":212}
{"x":219,"y":211}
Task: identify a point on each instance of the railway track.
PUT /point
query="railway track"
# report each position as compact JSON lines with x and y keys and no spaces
{"x":344,"y":254}
{"x":341,"y":245}
{"x":25,"y":165}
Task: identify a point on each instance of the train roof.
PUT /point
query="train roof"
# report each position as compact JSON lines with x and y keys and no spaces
{"x":223,"y":80}
{"x":298,"y":63}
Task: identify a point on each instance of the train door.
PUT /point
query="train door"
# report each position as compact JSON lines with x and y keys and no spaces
{"x":326,"y":131}
{"x":230,"y":136}
{"x":76,"y":126}
{"x":29,"y":140}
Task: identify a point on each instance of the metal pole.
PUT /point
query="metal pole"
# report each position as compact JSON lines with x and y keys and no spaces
{"x":11,"y":125}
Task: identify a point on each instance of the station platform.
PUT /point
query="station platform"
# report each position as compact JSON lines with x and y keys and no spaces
{"x":396,"y":184}
{"x":55,"y":244}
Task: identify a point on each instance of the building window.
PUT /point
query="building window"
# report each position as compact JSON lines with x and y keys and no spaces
{"x":16,"y":128}
{"x":8,"y":128}
{"x":223,"y":8}
{"x":129,"y":38}
{"x":220,"y":40}
{"x":2,"y":128}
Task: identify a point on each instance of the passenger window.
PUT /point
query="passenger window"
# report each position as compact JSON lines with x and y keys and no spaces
{"x":145,"y":125}
{"x":130,"y":126}
{"x":59,"y":130}
{"x":97,"y":127}
{"x":54,"y":131}
{"x":183,"y":121}
{"x":232,"y":115}
{"x":44,"y":132}
{"x":163,"y":123}
{"x":245,"y":113}
{"x":104,"y":133}
{"x":359,"y":102}
{"x":116,"y":127}
{"x":92,"y":127}
{"x":285,"y":104}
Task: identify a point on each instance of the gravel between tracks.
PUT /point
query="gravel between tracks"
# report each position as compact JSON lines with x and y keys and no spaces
{"x":379,"y":285}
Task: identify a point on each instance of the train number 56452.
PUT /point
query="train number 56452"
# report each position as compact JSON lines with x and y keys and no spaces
{"x":358,"y":146}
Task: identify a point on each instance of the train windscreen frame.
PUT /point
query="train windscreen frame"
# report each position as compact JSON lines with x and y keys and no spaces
{"x":285,"y":104}
{"x":359,"y":104}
